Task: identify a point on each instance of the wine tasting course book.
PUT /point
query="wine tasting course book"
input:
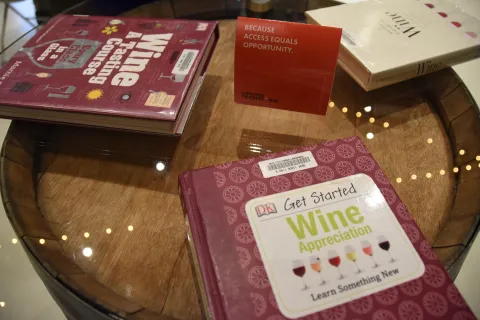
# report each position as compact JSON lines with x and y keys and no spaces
{"x":113,"y":72}
{"x":312,"y":233}
{"x":388,"y":41}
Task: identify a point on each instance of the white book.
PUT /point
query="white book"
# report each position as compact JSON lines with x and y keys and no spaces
{"x":388,"y":41}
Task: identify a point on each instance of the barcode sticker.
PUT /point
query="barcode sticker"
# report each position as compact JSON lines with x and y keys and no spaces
{"x":185,"y":62}
{"x":287,"y":164}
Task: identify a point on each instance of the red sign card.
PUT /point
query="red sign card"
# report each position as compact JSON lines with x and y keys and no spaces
{"x":285,"y":65}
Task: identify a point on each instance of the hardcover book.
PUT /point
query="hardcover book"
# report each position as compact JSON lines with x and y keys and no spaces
{"x":114,"y":72}
{"x":312,"y":233}
{"x":388,"y":41}
{"x":279,"y":64}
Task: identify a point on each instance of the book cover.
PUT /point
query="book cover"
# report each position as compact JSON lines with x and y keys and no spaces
{"x":387,"y":41}
{"x":119,"y":66}
{"x":312,"y":233}
{"x":285,"y":65}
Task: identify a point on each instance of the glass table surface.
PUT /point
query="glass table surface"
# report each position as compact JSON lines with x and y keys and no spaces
{"x":101,"y":223}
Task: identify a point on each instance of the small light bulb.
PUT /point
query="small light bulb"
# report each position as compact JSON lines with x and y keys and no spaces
{"x":428,"y":175}
{"x":358,"y":114}
{"x":87,"y":252}
{"x":442,"y":172}
{"x":331,"y":104}
{"x":399,"y":180}
{"x":370,"y":135}
{"x":64,"y":238}
{"x":108,"y":231}
{"x":130,"y":228}
{"x":86,"y":234}
{"x":414,"y":177}
{"x":368,"y":108}
{"x":14,"y":241}
{"x":455,"y":169}
{"x":461,"y":152}
{"x":468,"y":167}
{"x":477,"y":158}
{"x":344,"y":109}
{"x":372,"y":120}
{"x":42,"y":241}
{"x":429,"y":140}
{"x":2,"y":304}
{"x":160,"y":166}
{"x":386,"y":124}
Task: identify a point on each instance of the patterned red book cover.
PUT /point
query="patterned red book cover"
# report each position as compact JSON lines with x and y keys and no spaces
{"x":312,"y":233}
{"x":108,"y":65}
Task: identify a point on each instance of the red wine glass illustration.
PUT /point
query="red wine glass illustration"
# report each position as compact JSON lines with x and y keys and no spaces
{"x":298,"y":268}
{"x":174,"y":77}
{"x":335,"y":260}
{"x":352,"y":256}
{"x":384,"y":244}
{"x":367,"y":249}
{"x":317,"y":266}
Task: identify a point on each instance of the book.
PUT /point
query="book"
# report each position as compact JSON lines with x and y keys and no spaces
{"x":388,"y":41}
{"x":313,"y":233}
{"x":277,"y":66}
{"x":112,"y":72}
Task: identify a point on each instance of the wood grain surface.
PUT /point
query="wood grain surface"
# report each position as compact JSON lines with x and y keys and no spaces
{"x":71,"y":194}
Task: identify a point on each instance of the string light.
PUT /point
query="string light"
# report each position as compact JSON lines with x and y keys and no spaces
{"x":386,"y":124}
{"x":442,"y":172}
{"x":14,"y":241}
{"x":368,"y":108}
{"x":130,"y":228}
{"x":358,"y":114}
{"x":461,"y":152}
{"x":344,"y":109}
{"x":399,"y":180}
{"x":108,"y":231}
{"x":87,"y":252}
{"x":2,"y":304}
{"x":86,"y":234}
{"x":429,"y":140}
{"x":428,"y":175}
{"x":477,"y":158}
{"x":42,"y":241}
{"x":331,"y":104}
{"x":64,"y":238}
{"x":455,"y":169}
{"x":372,"y":120}
{"x":468,"y":167}
{"x":414,"y":177}
{"x":370,"y":135}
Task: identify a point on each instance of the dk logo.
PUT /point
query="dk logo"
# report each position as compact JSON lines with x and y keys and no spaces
{"x":265,"y":209}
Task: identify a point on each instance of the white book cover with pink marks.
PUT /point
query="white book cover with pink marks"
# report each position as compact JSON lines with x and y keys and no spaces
{"x":312,"y":233}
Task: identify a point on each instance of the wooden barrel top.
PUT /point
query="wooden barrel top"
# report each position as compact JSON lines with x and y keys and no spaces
{"x":113,"y":228}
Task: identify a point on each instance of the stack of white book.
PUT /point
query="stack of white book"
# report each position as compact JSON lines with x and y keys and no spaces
{"x":388,"y":41}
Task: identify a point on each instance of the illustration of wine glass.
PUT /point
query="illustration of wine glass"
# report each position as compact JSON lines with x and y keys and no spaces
{"x":41,"y":74}
{"x":384,"y":244}
{"x":335,"y":260}
{"x":367,"y":249}
{"x":174,"y":77}
{"x":80,"y":33}
{"x":64,"y":89}
{"x":316,"y":266}
{"x":352,"y":256}
{"x":298,"y":268}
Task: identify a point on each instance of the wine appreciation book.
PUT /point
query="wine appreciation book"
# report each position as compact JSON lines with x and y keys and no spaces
{"x":388,"y":41}
{"x":114,"y":72}
{"x":312,"y":233}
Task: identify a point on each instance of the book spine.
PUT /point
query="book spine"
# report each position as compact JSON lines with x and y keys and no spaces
{"x":206,"y":279}
{"x":420,"y":68}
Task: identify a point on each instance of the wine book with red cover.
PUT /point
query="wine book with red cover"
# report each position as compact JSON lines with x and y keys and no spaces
{"x":316,"y":232}
{"x":114,"y":72}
